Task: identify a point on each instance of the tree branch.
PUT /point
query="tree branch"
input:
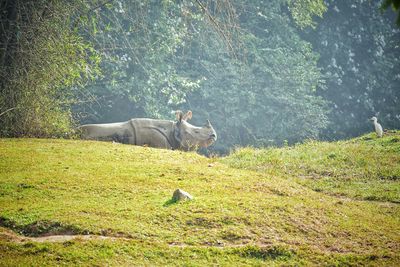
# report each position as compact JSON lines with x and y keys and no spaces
{"x":4,"y":112}
{"x":216,"y":24}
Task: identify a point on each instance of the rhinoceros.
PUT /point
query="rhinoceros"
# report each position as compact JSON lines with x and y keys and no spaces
{"x":177,"y":134}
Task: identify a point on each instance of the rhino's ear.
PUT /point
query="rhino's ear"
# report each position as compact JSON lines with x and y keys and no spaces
{"x":187,"y":116}
{"x":179,"y":115}
{"x":208,"y":124}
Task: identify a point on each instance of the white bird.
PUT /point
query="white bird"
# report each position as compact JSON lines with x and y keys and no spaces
{"x":378,"y":127}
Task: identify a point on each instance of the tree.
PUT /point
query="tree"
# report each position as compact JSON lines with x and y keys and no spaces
{"x":360,"y":61}
{"x":51,"y":50}
{"x":265,"y":96}
{"x":195,"y":56}
{"x":41,"y":55}
{"x":395,"y":5}
{"x":303,"y":11}
{"x":139,"y":42}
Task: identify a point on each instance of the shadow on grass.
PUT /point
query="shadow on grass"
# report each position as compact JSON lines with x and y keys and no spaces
{"x":170,"y":202}
{"x":272,"y":253}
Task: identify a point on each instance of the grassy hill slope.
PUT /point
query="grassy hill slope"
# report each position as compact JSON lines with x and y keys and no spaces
{"x":363,"y":168}
{"x":315,"y":203}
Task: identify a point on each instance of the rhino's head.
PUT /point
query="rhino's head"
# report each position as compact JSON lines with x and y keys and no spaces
{"x":192,"y":137}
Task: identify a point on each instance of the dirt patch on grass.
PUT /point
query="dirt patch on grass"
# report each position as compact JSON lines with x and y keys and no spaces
{"x":50,"y":231}
{"x":10,"y":236}
{"x":42,"y":228}
{"x":343,"y":198}
{"x":204,"y":222}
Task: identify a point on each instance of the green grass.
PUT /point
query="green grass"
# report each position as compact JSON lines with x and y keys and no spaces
{"x":365,"y":168}
{"x":303,"y":205}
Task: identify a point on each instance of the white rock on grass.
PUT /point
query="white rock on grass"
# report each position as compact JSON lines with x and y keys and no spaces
{"x":181,"y":195}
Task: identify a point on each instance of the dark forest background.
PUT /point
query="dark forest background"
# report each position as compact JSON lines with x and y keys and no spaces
{"x":263,"y":72}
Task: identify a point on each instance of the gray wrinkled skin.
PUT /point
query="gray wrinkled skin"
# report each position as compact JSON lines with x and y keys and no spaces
{"x":154,"y":133}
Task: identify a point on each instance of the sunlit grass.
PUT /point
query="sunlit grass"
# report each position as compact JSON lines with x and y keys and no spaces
{"x":364,"y":168}
{"x":253,"y":207}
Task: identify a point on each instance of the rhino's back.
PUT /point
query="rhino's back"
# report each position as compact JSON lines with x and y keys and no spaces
{"x":154,"y":133}
{"x":118,"y":131}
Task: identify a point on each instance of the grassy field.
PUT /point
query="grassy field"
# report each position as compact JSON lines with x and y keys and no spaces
{"x":317,"y":203}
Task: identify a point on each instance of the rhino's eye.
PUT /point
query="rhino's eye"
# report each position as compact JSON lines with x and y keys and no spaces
{"x":196,"y":131}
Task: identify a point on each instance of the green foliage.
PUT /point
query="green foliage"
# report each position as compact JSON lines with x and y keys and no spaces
{"x":184,"y":56}
{"x":247,"y":66}
{"x":395,"y":5}
{"x":42,"y":57}
{"x":359,"y":58}
{"x":137,"y":41}
{"x":269,"y":95}
{"x":303,"y":11}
